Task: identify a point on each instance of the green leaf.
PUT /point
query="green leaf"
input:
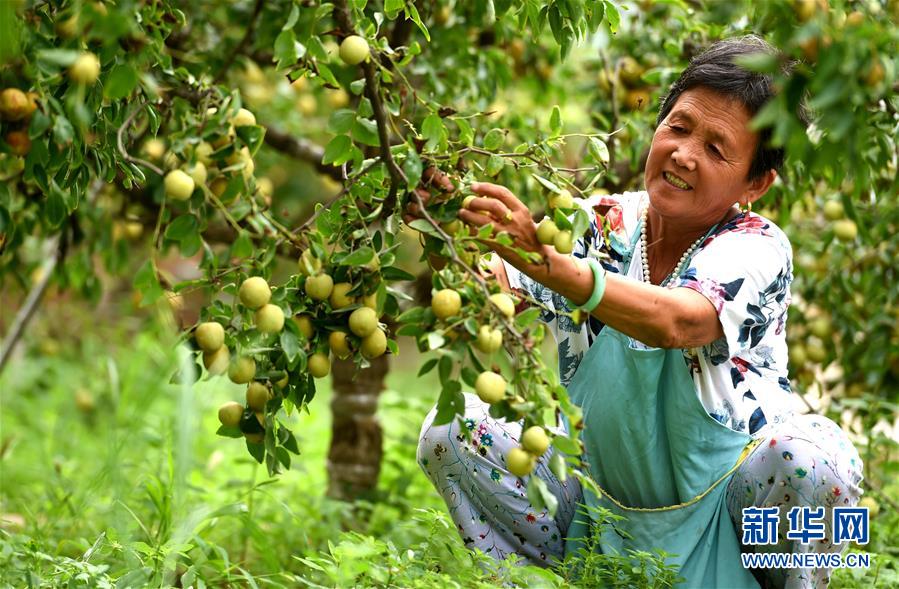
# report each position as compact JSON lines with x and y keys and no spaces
{"x":341,"y":121}
{"x":290,"y":344}
{"x":182,"y":227}
{"x":60,"y":57}
{"x":599,"y":151}
{"x":466,"y":134}
{"x":286,"y":51}
{"x":121,"y":81}
{"x":495,"y":165}
{"x":55,"y":209}
{"x":427,"y":366}
{"x":242,"y":246}
{"x":433,"y":129}
{"x":527,"y":317}
{"x":146,"y":284}
{"x":365,"y":131}
{"x":412,"y":168}
{"x":567,"y":445}
{"x":445,"y":369}
{"x":613,"y":17}
{"x":358,"y":257}
{"x":338,"y":151}
{"x":546,"y":183}
{"x":494,"y":139}
{"x":555,"y":122}
{"x":292,"y":17}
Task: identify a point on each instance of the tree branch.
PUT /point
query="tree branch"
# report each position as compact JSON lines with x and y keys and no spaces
{"x":120,"y":142}
{"x":301,"y":149}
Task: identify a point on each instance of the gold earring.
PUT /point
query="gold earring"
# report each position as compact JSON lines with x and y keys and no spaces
{"x":748,"y":208}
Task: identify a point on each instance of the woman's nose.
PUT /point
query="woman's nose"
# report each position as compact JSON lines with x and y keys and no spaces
{"x":683,"y":157}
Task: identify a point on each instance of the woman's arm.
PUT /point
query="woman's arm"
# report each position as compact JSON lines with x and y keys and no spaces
{"x":657,"y":316}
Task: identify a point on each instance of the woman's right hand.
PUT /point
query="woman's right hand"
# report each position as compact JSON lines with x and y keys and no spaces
{"x":431,"y":177}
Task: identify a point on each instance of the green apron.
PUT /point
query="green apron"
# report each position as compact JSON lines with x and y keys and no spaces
{"x":660,"y":459}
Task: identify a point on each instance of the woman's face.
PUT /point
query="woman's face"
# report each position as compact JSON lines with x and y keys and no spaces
{"x":699,"y":160}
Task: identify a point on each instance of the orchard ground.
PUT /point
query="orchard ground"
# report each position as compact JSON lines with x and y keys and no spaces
{"x":111,"y":471}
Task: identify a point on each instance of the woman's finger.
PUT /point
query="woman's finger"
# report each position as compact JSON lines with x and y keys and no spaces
{"x":491,"y":206}
{"x":434,"y":177}
{"x":500,"y":193}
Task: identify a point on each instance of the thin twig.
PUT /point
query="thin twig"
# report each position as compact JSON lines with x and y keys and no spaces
{"x":120,"y":142}
{"x":238,"y":49}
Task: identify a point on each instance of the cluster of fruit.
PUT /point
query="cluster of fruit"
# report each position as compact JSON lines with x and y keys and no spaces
{"x":255,"y":295}
{"x":181,"y":181}
{"x":16,"y":109}
{"x":548,"y":232}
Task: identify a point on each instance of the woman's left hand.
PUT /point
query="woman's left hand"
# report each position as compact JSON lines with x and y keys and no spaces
{"x":497,"y":206}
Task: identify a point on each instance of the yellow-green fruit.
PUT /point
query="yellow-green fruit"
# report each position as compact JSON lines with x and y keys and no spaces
{"x":154,"y":149}
{"x":798,"y":356}
{"x":453,"y":227}
{"x":871,"y":504}
{"x":304,"y":324}
{"x":198,"y":173}
{"x":14,"y":104}
{"x":178,"y":185}
{"x":254,"y":438}
{"x":243,"y":118}
{"x":257,"y":396}
{"x":374,"y":345}
{"x":242,"y":370}
{"x":339,"y":298}
{"x":319,"y":287}
{"x":466,"y":202}
{"x":504,"y":303}
{"x":833,"y":210}
{"x":254,"y":292}
{"x":546,"y":231}
{"x":283,"y":382}
{"x":230,"y":414}
{"x":371,"y":301}
{"x":338,"y":343}
{"x":821,"y":327}
{"x":353,"y":50}
{"x":563,"y":242}
{"x":490,"y":387}
{"x":309,"y":264}
{"x":519,"y":462}
{"x":319,"y":365}
{"x":804,"y":9}
{"x":243,"y":157}
{"x":203,"y":151}
{"x":269,"y":319}
{"x":561,"y":200}
{"x":845,"y":229}
{"x":815,"y":349}
{"x":363,"y":321}
{"x":217,"y":362}
{"x":210,"y":336}
{"x":85,"y":70}
{"x":535,"y":440}
{"x":489,"y":340}
{"x":446,"y":303}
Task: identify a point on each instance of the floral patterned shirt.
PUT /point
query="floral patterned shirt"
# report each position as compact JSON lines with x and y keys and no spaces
{"x":744,"y":267}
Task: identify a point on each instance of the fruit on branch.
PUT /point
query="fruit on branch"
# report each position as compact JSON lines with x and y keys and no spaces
{"x":178,"y":185}
{"x":875,"y":74}
{"x":304,"y":324}
{"x":230,"y":414}
{"x":219,"y":186}
{"x":283,"y":382}
{"x":217,"y":362}
{"x":154,"y":149}
{"x":833,"y":210}
{"x":371,"y":301}
{"x":374,"y":345}
{"x":337,"y":98}
{"x":198,"y":173}
{"x":242,"y":370}
{"x":489,"y":340}
{"x":269,"y":319}
{"x":257,"y":396}
{"x":15,"y":105}
{"x":337,"y":341}
{"x":203,"y":153}
{"x":254,"y":292}
{"x":535,"y":440}
{"x":18,"y":142}
{"x":504,"y":303}
{"x":85,"y":70}
{"x":490,"y":387}
{"x":845,"y":229}
{"x":339,"y":298}
{"x":629,"y":70}
{"x":354,"y":50}
{"x":319,"y":365}
{"x":563,"y":242}
{"x":637,"y":98}
{"x":546,"y":231}
{"x":821,"y":327}
{"x":319,"y":288}
{"x":243,"y":118}
{"x":243,"y":157}
{"x":309,"y":264}
{"x":561,"y":200}
{"x":815,"y":349}
{"x":804,"y":9}
{"x":466,"y":202}
{"x":210,"y":336}
{"x":363,"y":322}
{"x":871,"y":504}
{"x":446,"y":303}
{"x":519,"y":462}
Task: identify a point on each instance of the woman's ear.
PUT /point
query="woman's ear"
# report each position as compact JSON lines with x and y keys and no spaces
{"x":759,"y":186}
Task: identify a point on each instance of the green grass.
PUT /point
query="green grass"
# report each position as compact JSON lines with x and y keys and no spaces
{"x":140,"y":492}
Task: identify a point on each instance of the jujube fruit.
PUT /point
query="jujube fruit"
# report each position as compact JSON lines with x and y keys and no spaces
{"x":254,"y":292}
{"x":269,"y":319}
{"x":363,"y":321}
{"x":319,"y":365}
{"x":446,"y":303}
{"x":230,"y":414}
{"x":210,"y":336}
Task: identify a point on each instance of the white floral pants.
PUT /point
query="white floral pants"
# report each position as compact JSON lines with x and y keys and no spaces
{"x":806,"y":461}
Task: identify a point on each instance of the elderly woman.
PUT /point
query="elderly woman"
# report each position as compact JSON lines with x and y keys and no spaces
{"x":681,"y":370}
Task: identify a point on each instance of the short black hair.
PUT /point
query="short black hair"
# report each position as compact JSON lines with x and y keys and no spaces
{"x":716,"y":69}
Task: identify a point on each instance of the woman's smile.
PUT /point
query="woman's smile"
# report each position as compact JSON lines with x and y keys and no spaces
{"x":676,"y":181}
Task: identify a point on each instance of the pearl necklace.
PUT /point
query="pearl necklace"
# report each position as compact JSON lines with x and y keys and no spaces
{"x":683,"y":259}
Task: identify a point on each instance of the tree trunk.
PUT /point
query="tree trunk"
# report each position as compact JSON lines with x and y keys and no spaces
{"x":354,"y":460}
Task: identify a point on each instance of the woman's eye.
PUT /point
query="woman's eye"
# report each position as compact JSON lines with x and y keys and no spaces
{"x":677,"y":129}
{"x":715,"y":151}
